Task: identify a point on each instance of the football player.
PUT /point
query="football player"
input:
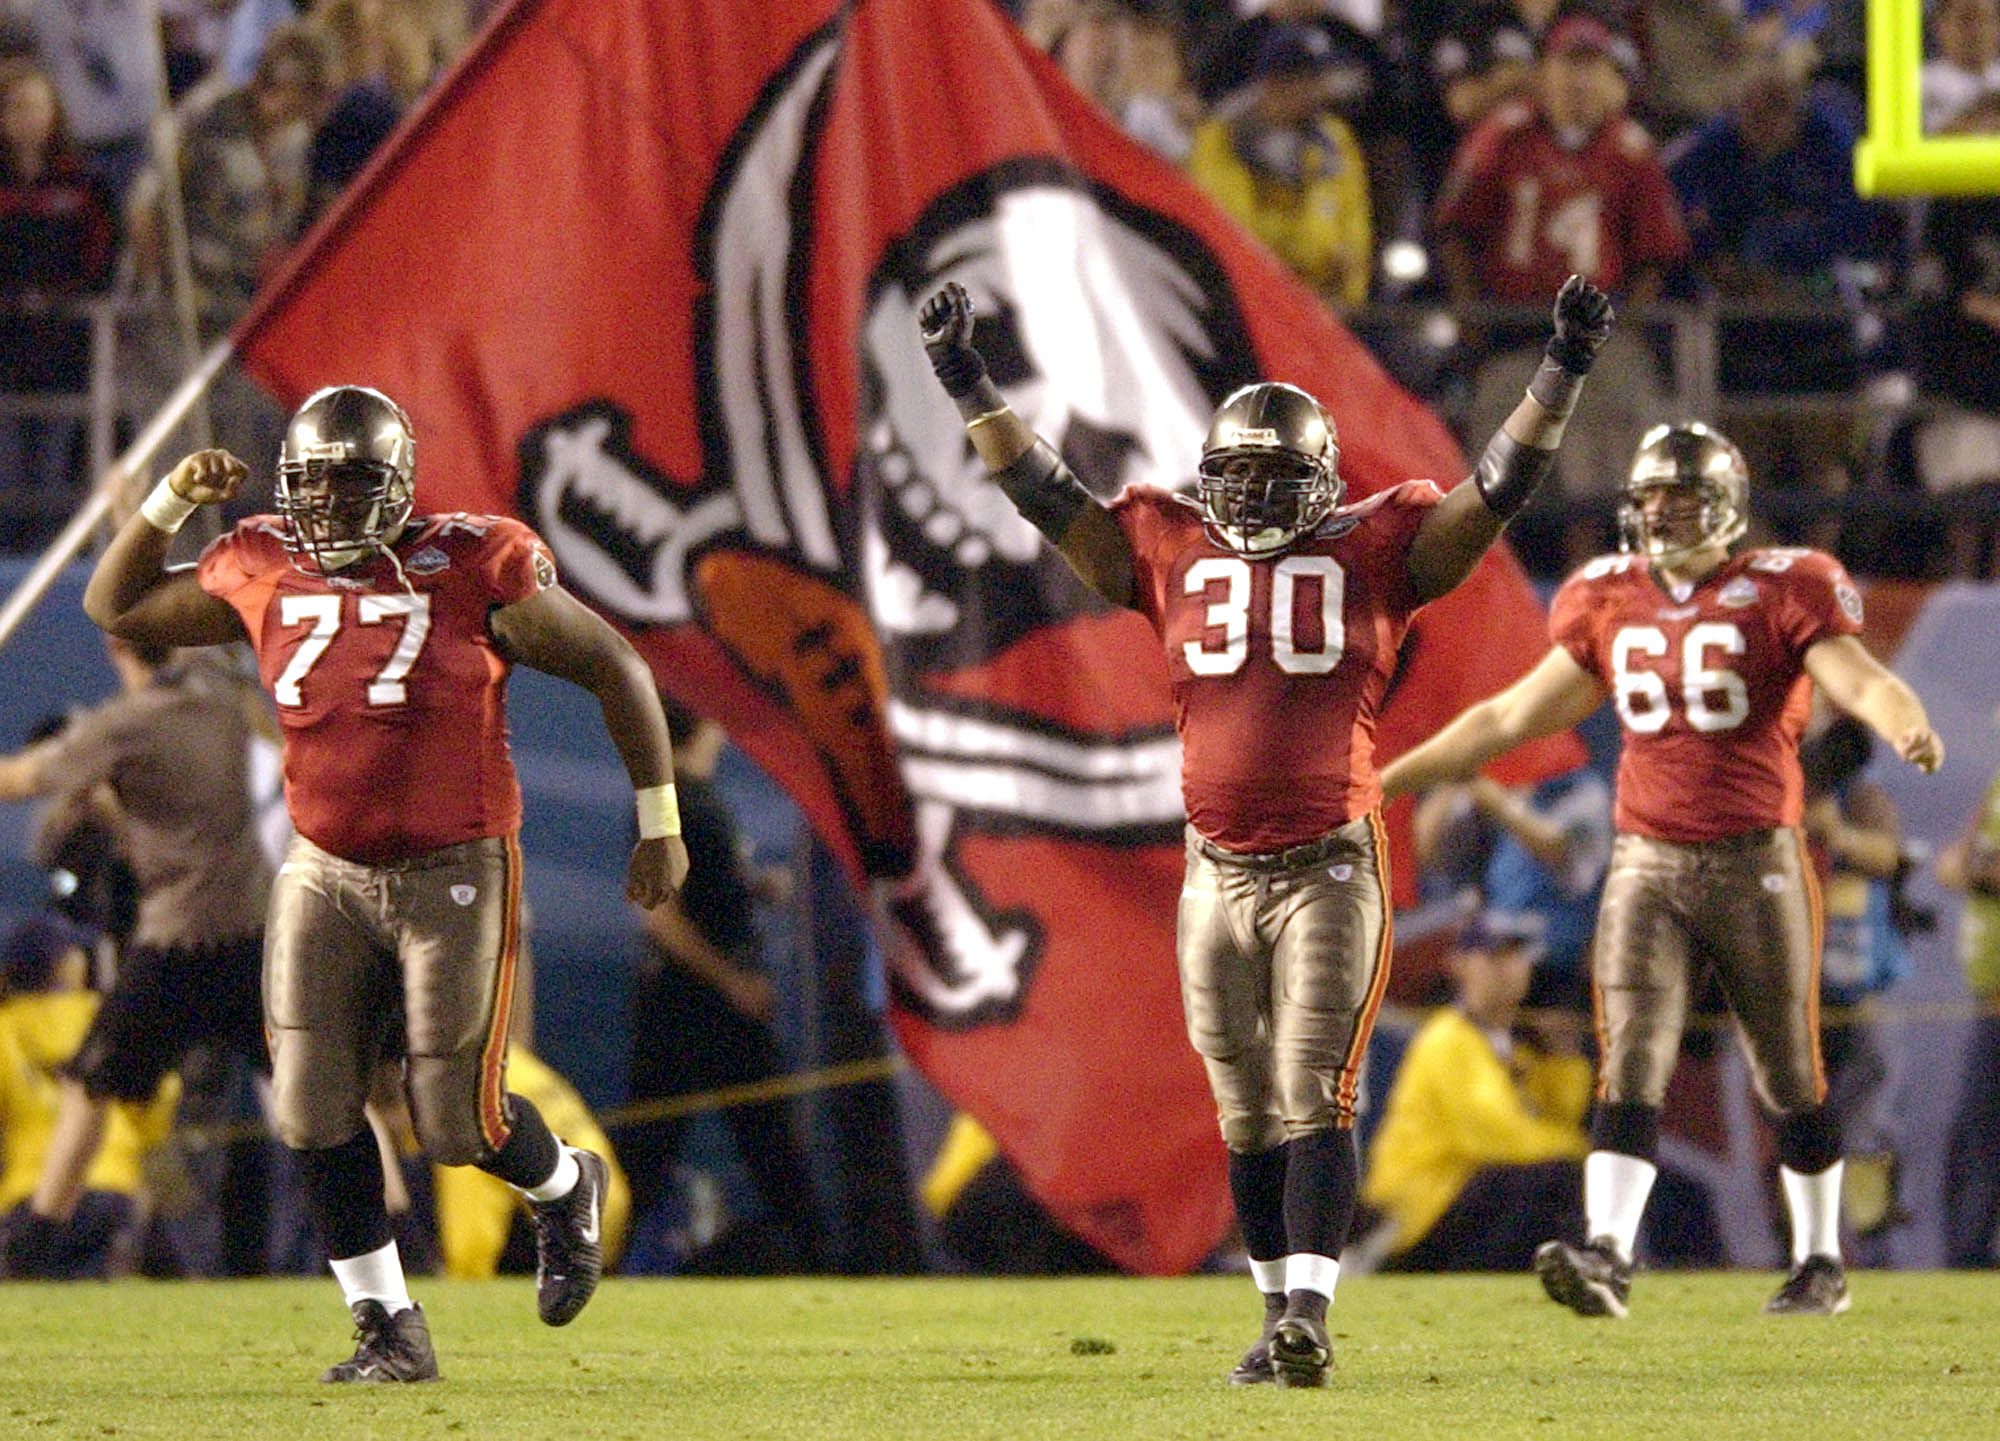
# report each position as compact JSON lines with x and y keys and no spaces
{"x":385,"y":638}
{"x":1281,"y":611}
{"x":1709,"y":653}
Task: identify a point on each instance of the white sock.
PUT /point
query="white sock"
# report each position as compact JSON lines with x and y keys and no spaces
{"x":1814,"y":1204}
{"x":562,"y":1180}
{"x":1615,"y":1187}
{"x":1305,"y":1271}
{"x":1269,"y":1275}
{"x":375,"y":1276}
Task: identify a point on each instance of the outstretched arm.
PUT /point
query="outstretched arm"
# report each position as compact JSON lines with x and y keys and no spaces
{"x":1876,"y":696}
{"x":1461,"y":527}
{"x":558,"y":634}
{"x":1022,"y":464}
{"x":132,"y":593}
{"x":1553,"y":696}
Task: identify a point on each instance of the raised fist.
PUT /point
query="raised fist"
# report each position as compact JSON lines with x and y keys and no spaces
{"x":1583,"y":317}
{"x":208,"y":477}
{"x":945,"y":323}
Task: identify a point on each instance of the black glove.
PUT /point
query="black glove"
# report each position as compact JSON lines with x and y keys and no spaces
{"x":945,"y":322}
{"x":1583,"y":320}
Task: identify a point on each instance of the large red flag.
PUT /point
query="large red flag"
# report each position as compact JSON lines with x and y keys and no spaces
{"x":646,"y":271}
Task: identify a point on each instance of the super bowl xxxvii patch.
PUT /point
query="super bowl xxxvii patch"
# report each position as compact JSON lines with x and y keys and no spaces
{"x":1738,"y":593}
{"x":1850,"y":600}
{"x":427,"y":560}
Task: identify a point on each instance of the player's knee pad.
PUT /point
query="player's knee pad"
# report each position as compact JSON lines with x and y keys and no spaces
{"x":1248,"y":1132}
{"x":445,"y":1112}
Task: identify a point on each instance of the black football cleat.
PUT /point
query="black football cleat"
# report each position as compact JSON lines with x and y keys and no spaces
{"x":1255,"y":1367}
{"x":1592,"y":1279}
{"x":1816,"y":1287}
{"x":1301,"y":1354}
{"x":569,"y":1257}
{"x":391,"y":1348}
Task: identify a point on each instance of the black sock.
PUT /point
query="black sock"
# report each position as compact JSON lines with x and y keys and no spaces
{"x":343,"y":1187}
{"x":1257,"y":1186}
{"x":31,"y":1242}
{"x":530,"y":1155}
{"x":1808,"y":1142}
{"x":1307,"y":1303}
{"x":1628,"y":1127}
{"x":1322,"y":1174}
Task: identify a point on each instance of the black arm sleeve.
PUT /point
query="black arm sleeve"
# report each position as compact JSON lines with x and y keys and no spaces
{"x":1508,"y":473}
{"x":1043,"y":489}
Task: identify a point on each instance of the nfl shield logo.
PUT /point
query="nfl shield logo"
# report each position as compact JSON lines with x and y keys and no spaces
{"x":465,"y":895}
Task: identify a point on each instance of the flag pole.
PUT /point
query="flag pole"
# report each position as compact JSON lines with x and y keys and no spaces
{"x":77,"y":533}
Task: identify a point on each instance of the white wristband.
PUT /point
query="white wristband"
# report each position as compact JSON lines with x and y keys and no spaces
{"x":167,"y":509}
{"x":659,"y":812}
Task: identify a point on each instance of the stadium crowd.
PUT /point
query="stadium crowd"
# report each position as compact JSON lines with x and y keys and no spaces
{"x":1432,"y":171}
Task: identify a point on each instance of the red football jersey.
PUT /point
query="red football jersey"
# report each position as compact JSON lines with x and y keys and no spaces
{"x":1711,"y":688}
{"x":1278,"y":665}
{"x":392,"y":704}
{"x":1531,"y":212}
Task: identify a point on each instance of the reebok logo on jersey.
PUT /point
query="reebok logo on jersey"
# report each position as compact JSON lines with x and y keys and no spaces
{"x":1738,"y":593}
{"x":427,"y":561}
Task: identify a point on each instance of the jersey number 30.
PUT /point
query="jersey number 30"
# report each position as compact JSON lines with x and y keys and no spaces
{"x":323,"y":613}
{"x":1714,"y":697}
{"x":1231,"y":614}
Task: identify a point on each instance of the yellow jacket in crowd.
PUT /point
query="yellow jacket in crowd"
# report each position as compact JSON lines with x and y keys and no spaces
{"x":1457,"y":1107}
{"x":475,"y":1210}
{"x":1321,"y":227}
{"x":38,"y":1032}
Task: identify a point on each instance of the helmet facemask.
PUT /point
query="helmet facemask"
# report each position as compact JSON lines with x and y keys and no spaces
{"x":1258,"y":500}
{"x":341,"y":511}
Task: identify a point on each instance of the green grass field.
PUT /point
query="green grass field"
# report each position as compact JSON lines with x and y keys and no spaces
{"x":1485,"y":1356}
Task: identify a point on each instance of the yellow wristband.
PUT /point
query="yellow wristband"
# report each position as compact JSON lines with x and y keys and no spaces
{"x":659,"y":812}
{"x":167,"y":509}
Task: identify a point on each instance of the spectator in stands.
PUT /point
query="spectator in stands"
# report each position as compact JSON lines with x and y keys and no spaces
{"x":1479,"y":1156}
{"x":702,"y":1010}
{"x":243,"y":173}
{"x":1285,"y":164}
{"x":57,"y":237}
{"x":1157,"y":105}
{"x":1971,"y":1192}
{"x":383,"y":60}
{"x":1360,"y":85}
{"x":104,"y":59}
{"x":1566,"y":182}
{"x":1952,"y":446}
{"x":46,"y":1008}
{"x":1966,"y":66}
{"x":1768,"y":192}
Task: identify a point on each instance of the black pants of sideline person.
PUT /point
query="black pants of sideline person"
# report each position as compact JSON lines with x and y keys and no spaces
{"x":1503,"y":1213}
